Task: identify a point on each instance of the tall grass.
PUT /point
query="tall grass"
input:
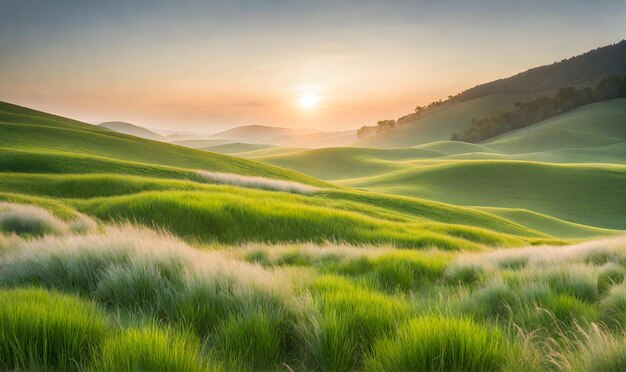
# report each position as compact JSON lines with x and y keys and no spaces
{"x":258,"y":182}
{"x":381,"y":267}
{"x":43,"y":330}
{"x":150,"y":348}
{"x":220,"y":213}
{"x":351,"y":320}
{"x":613,"y":307}
{"x":434,"y":343}
{"x":30,"y":220}
{"x":138,"y":270}
{"x":593,"y":349}
{"x":332,"y":307}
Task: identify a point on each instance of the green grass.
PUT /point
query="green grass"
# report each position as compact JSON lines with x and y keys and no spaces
{"x":235,"y":148}
{"x":150,"y":348}
{"x":353,"y":319}
{"x":595,"y":125}
{"x":34,"y":131}
{"x":218,"y":213}
{"x":549,"y":225}
{"x":336,"y":294}
{"x":441,"y":122}
{"x":434,"y":343}
{"x":513,"y":172}
{"x":585,"y":194}
{"x":42,"y":330}
{"x":345,"y":163}
{"x":310,"y":307}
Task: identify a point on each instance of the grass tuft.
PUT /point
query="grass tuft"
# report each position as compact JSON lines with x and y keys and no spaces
{"x":150,"y":348}
{"x":436,"y":343}
{"x":29,"y":220}
{"x":46,"y":330}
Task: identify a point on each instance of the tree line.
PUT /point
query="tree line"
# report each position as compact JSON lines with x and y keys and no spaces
{"x":528,"y":113}
{"x":385,"y":125}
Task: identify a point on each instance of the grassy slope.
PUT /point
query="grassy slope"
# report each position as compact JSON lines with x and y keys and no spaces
{"x":592,"y":134}
{"x":549,"y":225}
{"x":587,"y":194}
{"x":131,"y":129}
{"x":210,"y":212}
{"x":29,"y":130}
{"x":441,"y":123}
{"x":238,"y":147}
{"x":63,"y":164}
{"x":345,"y":162}
{"x":595,"y":125}
{"x":199,"y":143}
{"x":270,"y":152}
{"x":301,"y":306}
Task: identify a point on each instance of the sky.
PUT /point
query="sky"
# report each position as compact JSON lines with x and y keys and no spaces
{"x":205,"y":66}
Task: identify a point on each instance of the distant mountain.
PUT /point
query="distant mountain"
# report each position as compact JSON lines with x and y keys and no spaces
{"x":280,"y":136}
{"x":133,"y":130}
{"x":584,"y":69}
{"x":256,"y":133}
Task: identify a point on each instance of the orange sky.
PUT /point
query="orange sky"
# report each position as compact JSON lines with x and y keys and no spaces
{"x":207,"y":66}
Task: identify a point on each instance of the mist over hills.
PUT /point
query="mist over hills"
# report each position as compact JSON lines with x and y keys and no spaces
{"x":133,"y":130}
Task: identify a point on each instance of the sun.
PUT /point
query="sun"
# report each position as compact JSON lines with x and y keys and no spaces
{"x":308,"y":101}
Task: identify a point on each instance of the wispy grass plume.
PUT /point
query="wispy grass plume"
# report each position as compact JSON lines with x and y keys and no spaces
{"x":29,"y":220}
{"x":258,"y":182}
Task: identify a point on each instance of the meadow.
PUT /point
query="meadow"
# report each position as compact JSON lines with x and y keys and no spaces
{"x":119,"y":253}
{"x":123,"y":297}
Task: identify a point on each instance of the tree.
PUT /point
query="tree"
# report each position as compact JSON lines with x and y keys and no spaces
{"x":365,"y":131}
{"x":545,"y":112}
{"x":384,"y":125}
{"x":609,"y":87}
{"x":568,"y":98}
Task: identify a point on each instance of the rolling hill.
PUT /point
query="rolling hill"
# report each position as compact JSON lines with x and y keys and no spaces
{"x":586,"y":194}
{"x":236,"y":148}
{"x":584,"y":69}
{"x":72,"y":167}
{"x":255,"y":267}
{"x":596,"y":125}
{"x":513,"y":172}
{"x":455,"y":114}
{"x":439,"y":124}
{"x":133,"y":130}
{"x":34,"y":134}
{"x":290,"y":137}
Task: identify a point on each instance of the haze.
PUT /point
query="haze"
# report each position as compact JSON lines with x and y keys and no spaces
{"x":329,"y":65}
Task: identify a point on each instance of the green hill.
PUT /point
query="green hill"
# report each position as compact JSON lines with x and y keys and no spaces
{"x":587,"y":194}
{"x":132,"y":129}
{"x":441,"y":122}
{"x":549,"y":225}
{"x":595,"y":125}
{"x":34,"y":131}
{"x":237,"y":147}
{"x":455,"y":114}
{"x":584,"y":69}
{"x":346,"y":162}
{"x":68,"y":166}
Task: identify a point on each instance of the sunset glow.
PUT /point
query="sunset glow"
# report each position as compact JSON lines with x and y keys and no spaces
{"x":308,"y":101}
{"x":208,"y":66}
